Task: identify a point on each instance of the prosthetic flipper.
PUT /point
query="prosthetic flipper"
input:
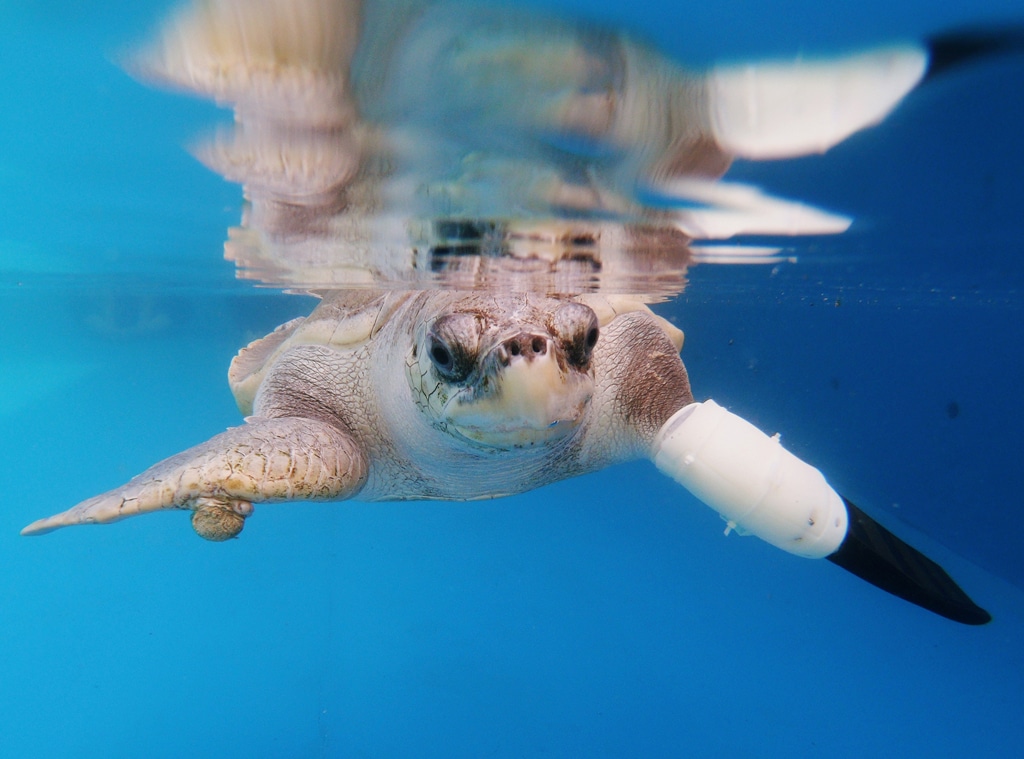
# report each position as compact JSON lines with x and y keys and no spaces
{"x":962,"y":46}
{"x":874,"y":554}
{"x":762,"y":489}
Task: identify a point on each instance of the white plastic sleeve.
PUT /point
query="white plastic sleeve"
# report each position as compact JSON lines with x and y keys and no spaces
{"x":751,"y":480}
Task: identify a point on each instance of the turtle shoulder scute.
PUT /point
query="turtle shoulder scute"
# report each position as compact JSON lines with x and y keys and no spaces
{"x":250,"y":364}
{"x":343,"y":320}
{"x":350,"y":317}
{"x":608,"y":307}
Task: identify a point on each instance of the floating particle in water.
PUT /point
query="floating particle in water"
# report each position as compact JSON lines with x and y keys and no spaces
{"x":952,"y":409}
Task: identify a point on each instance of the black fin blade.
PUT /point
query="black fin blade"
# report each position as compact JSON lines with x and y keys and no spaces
{"x":874,"y":554}
{"x":956,"y":48}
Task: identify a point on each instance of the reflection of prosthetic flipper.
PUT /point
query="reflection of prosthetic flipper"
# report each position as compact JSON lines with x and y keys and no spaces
{"x":874,"y":554}
{"x":761,"y":488}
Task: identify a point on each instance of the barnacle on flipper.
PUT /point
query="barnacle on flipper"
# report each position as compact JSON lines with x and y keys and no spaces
{"x":218,"y":520}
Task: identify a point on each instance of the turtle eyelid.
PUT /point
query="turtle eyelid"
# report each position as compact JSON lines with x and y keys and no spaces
{"x":452,"y":344}
{"x":577,"y":326}
{"x":461,"y":327}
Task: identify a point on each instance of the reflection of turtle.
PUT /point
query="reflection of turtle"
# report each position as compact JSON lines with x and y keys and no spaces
{"x":446,"y":395}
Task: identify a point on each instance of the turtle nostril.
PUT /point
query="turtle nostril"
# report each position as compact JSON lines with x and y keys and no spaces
{"x":526,"y":345}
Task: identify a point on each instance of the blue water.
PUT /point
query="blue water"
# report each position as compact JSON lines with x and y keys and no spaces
{"x":603,"y":616}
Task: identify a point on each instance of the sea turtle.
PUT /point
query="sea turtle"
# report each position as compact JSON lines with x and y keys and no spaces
{"x":420,"y":395}
{"x":465,"y":395}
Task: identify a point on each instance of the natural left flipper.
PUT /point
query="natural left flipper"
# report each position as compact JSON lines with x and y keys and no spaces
{"x":219,"y":480}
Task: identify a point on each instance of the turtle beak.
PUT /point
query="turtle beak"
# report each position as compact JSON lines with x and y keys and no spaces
{"x":526,"y":395}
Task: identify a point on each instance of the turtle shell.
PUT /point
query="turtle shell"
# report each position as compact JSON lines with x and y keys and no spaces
{"x":343,"y":319}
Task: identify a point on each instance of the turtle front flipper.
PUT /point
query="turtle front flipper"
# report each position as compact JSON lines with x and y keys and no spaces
{"x":280,"y":459}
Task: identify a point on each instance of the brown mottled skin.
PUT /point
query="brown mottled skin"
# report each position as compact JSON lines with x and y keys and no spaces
{"x":339,"y":405}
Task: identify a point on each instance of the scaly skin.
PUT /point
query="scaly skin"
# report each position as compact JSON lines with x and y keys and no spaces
{"x":335,"y":416}
{"x":264,"y":460}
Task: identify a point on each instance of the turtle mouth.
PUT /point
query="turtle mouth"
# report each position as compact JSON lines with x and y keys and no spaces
{"x":518,"y":401}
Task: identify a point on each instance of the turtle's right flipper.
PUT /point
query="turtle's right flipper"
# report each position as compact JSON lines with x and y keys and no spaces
{"x":874,"y":554}
{"x":264,"y":460}
{"x":762,"y":489}
{"x":959,"y":47}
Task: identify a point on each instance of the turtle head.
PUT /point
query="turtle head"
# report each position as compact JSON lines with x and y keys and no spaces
{"x":505,"y":372}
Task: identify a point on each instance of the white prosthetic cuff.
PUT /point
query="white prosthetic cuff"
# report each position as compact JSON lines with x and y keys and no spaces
{"x":751,"y":480}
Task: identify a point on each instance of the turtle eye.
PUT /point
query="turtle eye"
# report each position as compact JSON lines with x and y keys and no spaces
{"x":441,"y":355}
{"x":586,"y":341}
{"x":577,"y":326}
{"x":452,"y":346}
